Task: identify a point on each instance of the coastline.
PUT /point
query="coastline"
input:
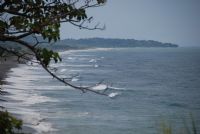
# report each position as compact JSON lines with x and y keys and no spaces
{"x":5,"y":67}
{"x":75,"y":113}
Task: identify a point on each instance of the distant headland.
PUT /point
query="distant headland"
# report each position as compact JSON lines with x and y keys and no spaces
{"x":110,"y":43}
{"x":96,"y":43}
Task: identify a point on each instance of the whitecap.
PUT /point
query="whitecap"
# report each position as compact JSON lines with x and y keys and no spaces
{"x":44,"y":127}
{"x":93,"y":60}
{"x":25,"y":94}
{"x":32,"y":63}
{"x":76,"y":70}
{"x":116,"y":88}
{"x":29,"y":116}
{"x":62,"y":70}
{"x":82,"y":114}
{"x":31,"y":98}
{"x":74,"y":79}
{"x":80,"y":65}
{"x":57,"y":64}
{"x":100,"y":87}
{"x":71,"y":58}
{"x":96,"y":65}
{"x":112,"y":95}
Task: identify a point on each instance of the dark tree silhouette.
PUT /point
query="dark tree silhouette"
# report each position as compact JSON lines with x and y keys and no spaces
{"x":22,"y":18}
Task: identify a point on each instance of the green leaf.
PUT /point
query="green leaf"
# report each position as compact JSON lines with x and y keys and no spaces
{"x":3,"y":26}
{"x":46,"y":56}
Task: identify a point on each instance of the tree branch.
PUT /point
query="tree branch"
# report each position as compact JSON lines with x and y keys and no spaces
{"x":83,"y":89}
{"x":44,"y":19}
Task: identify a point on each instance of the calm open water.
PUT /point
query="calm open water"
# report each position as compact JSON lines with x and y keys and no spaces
{"x":152,"y":85}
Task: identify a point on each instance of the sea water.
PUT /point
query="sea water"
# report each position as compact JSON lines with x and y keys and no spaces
{"x":148,"y":86}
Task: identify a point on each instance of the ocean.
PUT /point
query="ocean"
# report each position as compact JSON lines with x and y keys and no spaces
{"x":148,"y":86}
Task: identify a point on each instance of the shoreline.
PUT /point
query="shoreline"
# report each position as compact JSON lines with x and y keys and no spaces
{"x":5,"y":68}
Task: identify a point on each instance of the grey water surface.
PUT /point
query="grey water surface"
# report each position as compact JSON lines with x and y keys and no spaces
{"x":151,"y":85}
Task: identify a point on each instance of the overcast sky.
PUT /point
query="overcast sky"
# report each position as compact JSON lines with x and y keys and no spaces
{"x":175,"y":21}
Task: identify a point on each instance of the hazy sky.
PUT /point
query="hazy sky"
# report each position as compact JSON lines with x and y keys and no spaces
{"x":175,"y":21}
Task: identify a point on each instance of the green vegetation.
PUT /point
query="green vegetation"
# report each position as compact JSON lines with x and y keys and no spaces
{"x":9,"y":124}
{"x":41,"y":19}
{"x":166,"y":128}
{"x":189,"y":128}
{"x":46,"y":56}
{"x":38,"y":18}
{"x":110,"y":43}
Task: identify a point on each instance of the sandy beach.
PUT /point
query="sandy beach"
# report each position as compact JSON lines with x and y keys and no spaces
{"x":5,"y":66}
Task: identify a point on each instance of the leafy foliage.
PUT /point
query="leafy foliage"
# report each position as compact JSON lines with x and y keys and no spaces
{"x":21,"y":18}
{"x":47,"y":55}
{"x":41,"y":16}
{"x":9,"y":124}
{"x":189,"y":127}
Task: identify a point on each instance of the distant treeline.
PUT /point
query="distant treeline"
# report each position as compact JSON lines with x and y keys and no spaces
{"x":110,"y":43}
{"x":98,"y":42}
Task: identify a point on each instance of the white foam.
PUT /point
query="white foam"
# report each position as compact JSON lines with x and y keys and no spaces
{"x":44,"y":127}
{"x":80,"y":65}
{"x":81,"y":55}
{"x":82,"y":114}
{"x":29,"y":116}
{"x":112,"y":95}
{"x":33,"y":119}
{"x":30,"y":98}
{"x":26,"y":93}
{"x":76,"y":70}
{"x":62,"y":64}
{"x":32,"y":63}
{"x":100,"y":87}
{"x":93,"y":60}
{"x":63,"y":70}
{"x":74,"y":79}
{"x":71,"y":58}
{"x":51,"y":87}
{"x":116,"y":88}
{"x":96,"y":65}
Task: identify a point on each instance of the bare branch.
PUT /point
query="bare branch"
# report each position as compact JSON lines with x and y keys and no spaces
{"x":83,"y":89}
{"x":24,"y":35}
{"x":19,"y":55}
{"x":88,"y":28}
